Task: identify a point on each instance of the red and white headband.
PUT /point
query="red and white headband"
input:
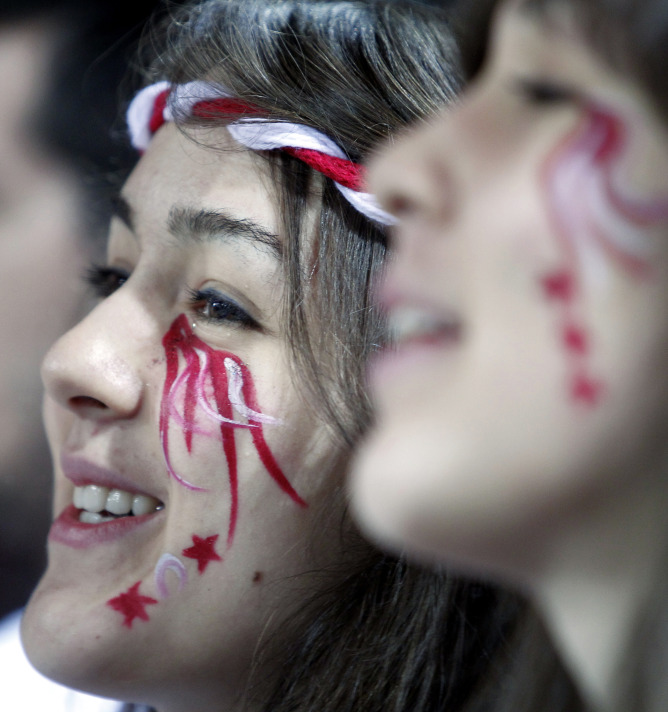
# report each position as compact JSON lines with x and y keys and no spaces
{"x":161,"y":102}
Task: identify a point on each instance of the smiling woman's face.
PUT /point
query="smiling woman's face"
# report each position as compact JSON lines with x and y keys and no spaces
{"x":174,"y":396}
{"x":529,"y":295}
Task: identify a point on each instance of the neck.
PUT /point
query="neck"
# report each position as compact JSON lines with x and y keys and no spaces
{"x":596,"y":584}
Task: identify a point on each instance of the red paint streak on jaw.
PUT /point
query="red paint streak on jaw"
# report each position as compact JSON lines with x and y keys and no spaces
{"x":581,"y":169}
{"x":180,"y":339}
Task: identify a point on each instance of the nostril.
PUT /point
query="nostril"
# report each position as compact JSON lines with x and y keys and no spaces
{"x":86,"y":401}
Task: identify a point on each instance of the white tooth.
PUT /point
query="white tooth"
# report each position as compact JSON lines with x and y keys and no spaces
{"x":77,"y":499}
{"x":94,"y":498}
{"x":93,"y":518}
{"x":119,"y":502}
{"x":143,"y":504}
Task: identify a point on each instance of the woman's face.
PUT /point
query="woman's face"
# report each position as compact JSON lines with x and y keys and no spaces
{"x":174,"y":397}
{"x":529,"y":296}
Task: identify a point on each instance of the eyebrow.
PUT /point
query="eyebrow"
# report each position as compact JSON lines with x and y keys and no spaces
{"x":200,"y":224}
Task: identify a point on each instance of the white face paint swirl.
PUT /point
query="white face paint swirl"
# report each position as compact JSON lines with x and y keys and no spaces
{"x":235,"y":386}
{"x":169,"y":562}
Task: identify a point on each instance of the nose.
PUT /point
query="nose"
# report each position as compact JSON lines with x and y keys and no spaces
{"x":412,"y":179}
{"x":94,"y":369}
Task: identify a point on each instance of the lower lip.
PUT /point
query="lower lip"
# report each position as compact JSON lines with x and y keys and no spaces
{"x":68,"y":530}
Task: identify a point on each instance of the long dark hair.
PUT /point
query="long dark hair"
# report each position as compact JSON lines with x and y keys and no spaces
{"x":379,"y":635}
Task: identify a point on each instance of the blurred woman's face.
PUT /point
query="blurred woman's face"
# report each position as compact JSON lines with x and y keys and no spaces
{"x":189,"y":473}
{"x":529,"y":297}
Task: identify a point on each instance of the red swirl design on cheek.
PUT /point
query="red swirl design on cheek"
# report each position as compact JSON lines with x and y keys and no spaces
{"x":594,"y":218}
{"x":218,"y":375}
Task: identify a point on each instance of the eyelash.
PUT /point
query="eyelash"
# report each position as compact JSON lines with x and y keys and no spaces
{"x":216,"y":308}
{"x":104,"y":281}
{"x":544,"y":92}
{"x":210,"y":305}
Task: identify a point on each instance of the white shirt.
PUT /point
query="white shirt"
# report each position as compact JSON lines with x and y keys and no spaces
{"x":28,"y":690}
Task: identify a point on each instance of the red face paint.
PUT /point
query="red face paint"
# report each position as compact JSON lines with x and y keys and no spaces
{"x":131,"y":605}
{"x":202,"y":551}
{"x":593,"y":216}
{"x":219,"y":376}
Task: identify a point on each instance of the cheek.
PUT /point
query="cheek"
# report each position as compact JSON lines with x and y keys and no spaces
{"x":600,"y":225}
{"x":210,"y":414}
{"x":57,"y":421}
{"x":212,"y":395}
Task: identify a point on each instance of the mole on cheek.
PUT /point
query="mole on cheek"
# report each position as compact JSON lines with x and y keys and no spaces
{"x":257,"y":577}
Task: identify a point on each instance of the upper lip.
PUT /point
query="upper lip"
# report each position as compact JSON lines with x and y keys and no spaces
{"x":82,"y":472}
{"x":410,"y":315}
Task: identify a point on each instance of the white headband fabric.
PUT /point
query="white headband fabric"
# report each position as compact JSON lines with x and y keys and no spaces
{"x":163,"y":102}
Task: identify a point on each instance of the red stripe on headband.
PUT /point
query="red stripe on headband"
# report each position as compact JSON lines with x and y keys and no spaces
{"x":213,"y":108}
{"x":158,"y":114}
{"x":343,"y":171}
{"x":348,"y":174}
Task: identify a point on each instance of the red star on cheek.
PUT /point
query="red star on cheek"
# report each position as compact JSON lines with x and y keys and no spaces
{"x":203,"y":551}
{"x":131,"y":605}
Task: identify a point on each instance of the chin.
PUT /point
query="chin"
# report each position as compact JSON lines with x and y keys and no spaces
{"x":389,"y":491}
{"x":69,"y":644}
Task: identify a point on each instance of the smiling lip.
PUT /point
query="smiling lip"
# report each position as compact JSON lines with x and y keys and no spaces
{"x":425,"y":335}
{"x":82,"y":472}
{"x":68,"y":530}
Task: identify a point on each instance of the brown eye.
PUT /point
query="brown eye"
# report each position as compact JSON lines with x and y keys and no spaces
{"x":216,"y":307}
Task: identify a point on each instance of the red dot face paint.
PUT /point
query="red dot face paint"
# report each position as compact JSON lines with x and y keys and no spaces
{"x":595,"y":218}
{"x":203,"y":399}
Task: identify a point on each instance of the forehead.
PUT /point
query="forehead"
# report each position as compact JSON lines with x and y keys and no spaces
{"x":544,"y":37}
{"x":200,"y":169}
